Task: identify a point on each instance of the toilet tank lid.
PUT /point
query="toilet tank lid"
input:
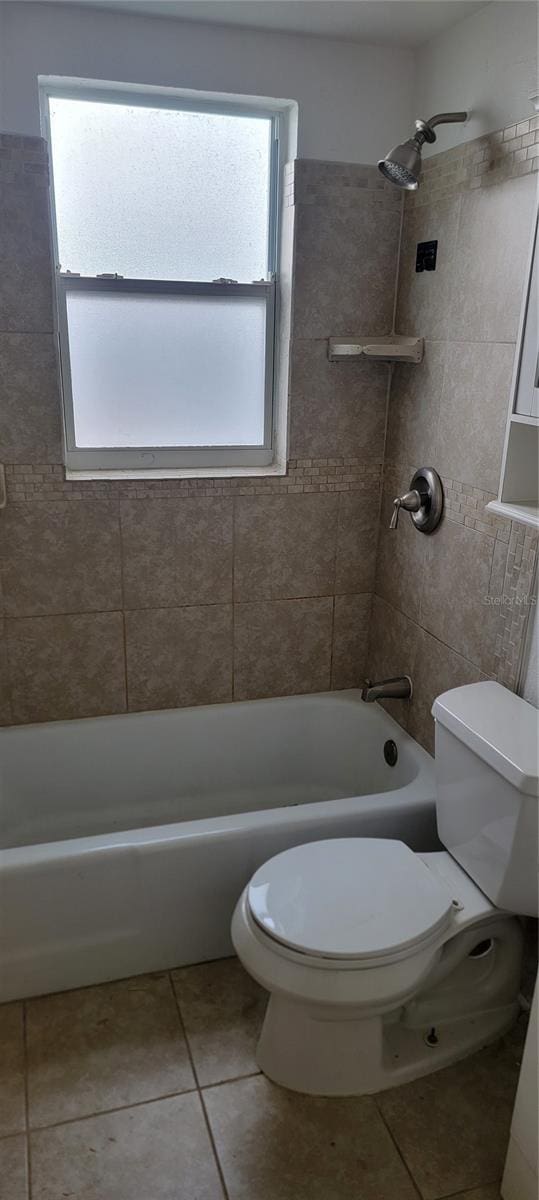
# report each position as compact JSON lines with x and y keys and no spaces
{"x":500,"y":727}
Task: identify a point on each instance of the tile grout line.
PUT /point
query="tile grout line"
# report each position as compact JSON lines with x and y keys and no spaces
{"x":334,"y":591}
{"x":415,"y":1185}
{"x":198,"y":1089}
{"x":434,"y":636}
{"x":122,"y":589}
{"x":213,"y":1146}
{"x":208,"y":1087}
{"x":107,"y":1112}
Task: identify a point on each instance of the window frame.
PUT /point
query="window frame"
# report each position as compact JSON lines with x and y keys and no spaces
{"x":144,"y":458}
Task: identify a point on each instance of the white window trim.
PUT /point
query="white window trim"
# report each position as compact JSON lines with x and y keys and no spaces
{"x":157,"y":458}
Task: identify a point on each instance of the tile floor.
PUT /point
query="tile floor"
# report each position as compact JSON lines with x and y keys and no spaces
{"x":147,"y":1089}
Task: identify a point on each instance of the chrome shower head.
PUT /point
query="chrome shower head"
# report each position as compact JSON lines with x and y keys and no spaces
{"x":402,"y":165}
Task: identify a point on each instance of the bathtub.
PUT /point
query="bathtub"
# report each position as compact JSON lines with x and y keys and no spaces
{"x":126,"y":840}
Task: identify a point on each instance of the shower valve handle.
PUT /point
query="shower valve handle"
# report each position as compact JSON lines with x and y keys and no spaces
{"x":411,"y":501}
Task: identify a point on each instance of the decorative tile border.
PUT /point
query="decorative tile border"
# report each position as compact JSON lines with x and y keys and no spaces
{"x":23,"y":162}
{"x":35,"y":483}
{"x":519,"y":596}
{"x":493,"y":158}
{"x":466,"y":505}
{"x":337,"y":185}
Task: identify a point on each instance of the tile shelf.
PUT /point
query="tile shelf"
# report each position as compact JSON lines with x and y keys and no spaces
{"x":527,"y":514}
{"x":392,"y":347}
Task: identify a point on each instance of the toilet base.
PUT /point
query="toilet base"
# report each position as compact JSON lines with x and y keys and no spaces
{"x":318,"y":1056}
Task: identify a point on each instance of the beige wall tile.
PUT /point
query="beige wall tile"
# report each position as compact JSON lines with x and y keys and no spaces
{"x":282,"y":647}
{"x":158,"y":1151}
{"x":222,"y":1010}
{"x":12,"y":1103}
{"x":350,"y":640}
{"x":473,"y":412}
{"x":64,"y":667}
{"x":336,"y":408}
{"x":176,"y":552}
{"x":104,"y":1047}
{"x":424,"y":298}
{"x":24,"y":204}
{"x":30,"y":422}
{"x":345,"y":269}
{"x":356,"y":541}
{"x":437,"y":669}
{"x":60,"y":557}
{"x":274,"y":1143}
{"x":414,"y":408}
{"x":490,"y":1192}
{"x":455,"y":603}
{"x":13,"y":1172}
{"x":467,"y":1111}
{"x":490,"y":262}
{"x":25,"y":261}
{"x":179,"y":656}
{"x":401,"y":552}
{"x":284,"y":546}
{"x":393,"y":642}
{"x":5,"y":690}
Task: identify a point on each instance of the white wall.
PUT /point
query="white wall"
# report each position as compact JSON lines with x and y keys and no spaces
{"x":486,"y":64}
{"x":353,"y":99}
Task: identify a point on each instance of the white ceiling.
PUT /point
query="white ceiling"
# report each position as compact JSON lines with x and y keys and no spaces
{"x":393,"y":22}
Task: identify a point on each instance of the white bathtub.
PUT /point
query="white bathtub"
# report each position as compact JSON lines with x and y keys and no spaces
{"x":126,"y":840}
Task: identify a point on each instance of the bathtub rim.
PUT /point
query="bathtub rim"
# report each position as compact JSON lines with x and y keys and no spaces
{"x":420,"y":790}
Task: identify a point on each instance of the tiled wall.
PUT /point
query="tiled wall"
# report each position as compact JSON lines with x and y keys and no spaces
{"x":152,"y":593}
{"x":149,"y":593}
{"x":451,"y":608}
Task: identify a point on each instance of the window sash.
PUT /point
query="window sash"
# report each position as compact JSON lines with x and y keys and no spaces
{"x":155,"y":457}
{"x":51,"y":87}
{"x":161,"y":457}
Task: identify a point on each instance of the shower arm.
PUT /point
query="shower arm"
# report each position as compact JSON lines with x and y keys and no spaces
{"x":425,"y":129}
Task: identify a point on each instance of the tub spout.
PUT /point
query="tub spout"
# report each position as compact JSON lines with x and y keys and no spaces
{"x":399,"y":688}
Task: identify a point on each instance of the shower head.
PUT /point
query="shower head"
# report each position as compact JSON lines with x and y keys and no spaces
{"x":402,"y":165}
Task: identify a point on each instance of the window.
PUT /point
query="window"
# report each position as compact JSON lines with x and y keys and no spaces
{"x":164,"y":220}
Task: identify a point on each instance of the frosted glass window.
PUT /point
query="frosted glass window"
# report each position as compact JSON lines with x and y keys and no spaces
{"x":167,"y":361}
{"x":163,"y":371}
{"x":160,"y":193}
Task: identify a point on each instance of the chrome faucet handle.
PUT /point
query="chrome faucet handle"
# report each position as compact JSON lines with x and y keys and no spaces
{"x":424,"y":501}
{"x":411,"y":501}
{"x":395,"y":514}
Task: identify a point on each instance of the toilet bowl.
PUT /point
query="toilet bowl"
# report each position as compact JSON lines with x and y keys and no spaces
{"x":383,"y":964}
{"x":356,"y":1007}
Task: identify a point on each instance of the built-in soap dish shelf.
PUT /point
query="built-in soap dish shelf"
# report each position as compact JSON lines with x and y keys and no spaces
{"x":394,"y":347}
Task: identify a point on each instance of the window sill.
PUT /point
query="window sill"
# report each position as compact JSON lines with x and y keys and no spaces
{"x":184,"y":473}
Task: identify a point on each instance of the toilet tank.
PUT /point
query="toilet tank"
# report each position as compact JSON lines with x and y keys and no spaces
{"x":487,"y":790}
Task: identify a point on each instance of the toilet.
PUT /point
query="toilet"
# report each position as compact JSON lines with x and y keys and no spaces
{"x":384,"y":964}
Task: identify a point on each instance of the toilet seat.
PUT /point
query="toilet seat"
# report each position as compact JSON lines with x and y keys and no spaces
{"x":367,"y":900}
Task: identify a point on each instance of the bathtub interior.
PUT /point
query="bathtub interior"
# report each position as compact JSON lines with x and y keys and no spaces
{"x":101,"y":775}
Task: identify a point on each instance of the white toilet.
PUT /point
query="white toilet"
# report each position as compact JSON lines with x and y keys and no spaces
{"x":383,"y":964}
